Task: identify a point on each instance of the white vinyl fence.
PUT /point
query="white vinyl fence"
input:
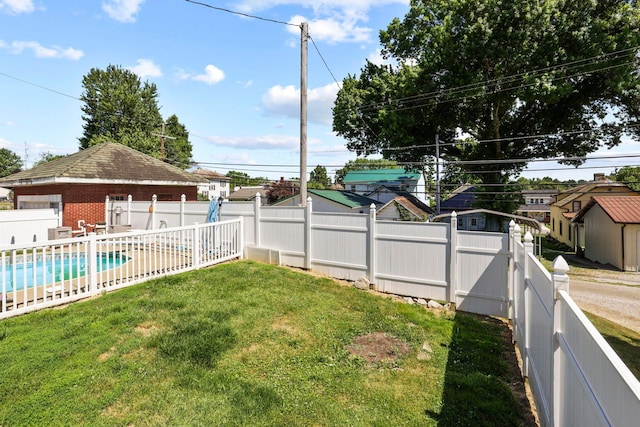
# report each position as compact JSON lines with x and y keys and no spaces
{"x":46,"y":274}
{"x":576,"y":377}
{"x":27,"y":225}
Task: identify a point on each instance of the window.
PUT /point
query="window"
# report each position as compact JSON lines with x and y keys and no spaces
{"x":353,"y":188}
{"x":474,"y":222}
{"x":223,"y":194}
{"x":577,"y":205}
{"x":119,"y":197}
{"x":223,"y":185}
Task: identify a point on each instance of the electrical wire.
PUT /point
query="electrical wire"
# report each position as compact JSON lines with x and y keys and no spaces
{"x":246,"y":15}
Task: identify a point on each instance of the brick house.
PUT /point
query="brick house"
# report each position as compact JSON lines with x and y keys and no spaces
{"x":79,"y":183}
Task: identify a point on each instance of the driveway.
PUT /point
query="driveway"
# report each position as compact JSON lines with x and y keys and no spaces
{"x":606,"y":292}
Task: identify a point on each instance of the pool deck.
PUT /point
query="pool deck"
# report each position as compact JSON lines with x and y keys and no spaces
{"x":145,"y":261}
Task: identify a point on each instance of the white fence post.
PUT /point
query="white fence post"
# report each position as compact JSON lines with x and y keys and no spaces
{"x":183,"y":200}
{"x":91,"y":266}
{"x":517,"y":237}
{"x":106,"y":213}
{"x":154,"y":199}
{"x":257,"y":206}
{"x":129,"y":200}
{"x":560,"y":282}
{"x":60,"y":215}
{"x":372,"y":243}
{"x":307,"y":234}
{"x":453,"y":262}
{"x":196,"y":246}
{"x":510,"y":278}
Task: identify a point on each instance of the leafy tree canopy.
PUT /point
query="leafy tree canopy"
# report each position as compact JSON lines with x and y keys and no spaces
{"x":498,"y":83}
{"x":177,"y":148}
{"x":319,"y":179}
{"x":46,"y":158}
{"x":10,"y":162}
{"x":281,"y":190}
{"x":118,"y":107}
{"x":242,"y":179}
{"x":629,"y":175}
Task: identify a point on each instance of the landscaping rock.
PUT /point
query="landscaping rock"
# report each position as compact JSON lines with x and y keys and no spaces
{"x":362,"y":283}
{"x":434,"y":304}
{"x":422,"y":301}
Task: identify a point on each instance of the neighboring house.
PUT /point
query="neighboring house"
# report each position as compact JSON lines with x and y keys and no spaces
{"x":405,"y":207}
{"x":244,"y":194}
{"x":217,"y":187}
{"x":568,"y":203}
{"x":367,"y":181}
{"x":612,"y":231}
{"x":488,"y":220}
{"x":78,"y":183}
{"x":333,"y":201}
{"x":536,"y":204}
{"x":460,"y":199}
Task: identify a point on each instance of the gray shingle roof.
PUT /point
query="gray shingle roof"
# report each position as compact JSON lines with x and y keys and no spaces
{"x":104,"y":163}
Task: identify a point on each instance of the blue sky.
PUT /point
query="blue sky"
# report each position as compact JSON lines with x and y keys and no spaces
{"x":232,"y":81}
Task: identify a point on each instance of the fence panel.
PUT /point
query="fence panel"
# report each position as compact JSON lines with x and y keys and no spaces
{"x":538,"y":300}
{"x":339,"y":245}
{"x":595,"y":386}
{"x":482,"y":261}
{"x":412,"y":258}
{"x":19,"y":226}
{"x":283,"y":229}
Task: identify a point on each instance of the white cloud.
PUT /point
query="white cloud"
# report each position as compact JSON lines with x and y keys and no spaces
{"x":333,"y":30}
{"x":285,"y":101}
{"x":40,"y":51}
{"x":17,"y":6}
{"x":146,"y":68}
{"x":211,"y":76}
{"x":122,"y":10}
{"x":333,"y":21}
{"x":376,"y":58}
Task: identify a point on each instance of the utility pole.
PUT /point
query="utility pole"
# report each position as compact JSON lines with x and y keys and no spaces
{"x":303,"y":112}
{"x":437,"y":174}
{"x":26,"y":155}
{"x":162,"y":137}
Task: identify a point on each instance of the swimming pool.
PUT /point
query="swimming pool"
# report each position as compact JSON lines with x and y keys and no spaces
{"x":51,"y":270}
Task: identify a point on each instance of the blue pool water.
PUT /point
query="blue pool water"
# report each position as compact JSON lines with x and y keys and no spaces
{"x":50,"y":271}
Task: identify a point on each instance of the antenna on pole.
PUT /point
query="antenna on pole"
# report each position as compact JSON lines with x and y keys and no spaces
{"x":162,"y":137}
{"x":304,"y":36}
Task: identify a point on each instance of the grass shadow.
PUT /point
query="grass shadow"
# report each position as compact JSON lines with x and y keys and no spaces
{"x":483,"y":385}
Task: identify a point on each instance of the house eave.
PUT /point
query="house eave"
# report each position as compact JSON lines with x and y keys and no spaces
{"x":71,"y":180}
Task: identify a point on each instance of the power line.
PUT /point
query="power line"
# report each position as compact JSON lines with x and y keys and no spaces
{"x":246,"y":15}
{"x":40,"y":86}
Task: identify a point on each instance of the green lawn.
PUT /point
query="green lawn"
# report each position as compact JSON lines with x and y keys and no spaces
{"x":250,"y":344}
{"x":624,"y":341}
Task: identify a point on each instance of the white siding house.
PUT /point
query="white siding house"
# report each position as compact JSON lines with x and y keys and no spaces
{"x":217,"y":187}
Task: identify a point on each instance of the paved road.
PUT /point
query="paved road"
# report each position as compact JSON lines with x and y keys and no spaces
{"x":611,"y":294}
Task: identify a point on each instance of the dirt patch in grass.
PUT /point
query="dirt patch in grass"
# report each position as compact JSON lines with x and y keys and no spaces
{"x":378,"y":347}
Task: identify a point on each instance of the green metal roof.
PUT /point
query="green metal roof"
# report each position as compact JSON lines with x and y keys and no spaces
{"x":379,"y":175}
{"x":345,"y":198}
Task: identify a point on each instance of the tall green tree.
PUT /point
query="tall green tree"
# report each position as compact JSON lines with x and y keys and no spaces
{"x":242,"y":179}
{"x":10,"y":162}
{"x":319,"y":179}
{"x":119,"y":107}
{"x":177,"y":147}
{"x":630,"y":175}
{"x":498,"y":83}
